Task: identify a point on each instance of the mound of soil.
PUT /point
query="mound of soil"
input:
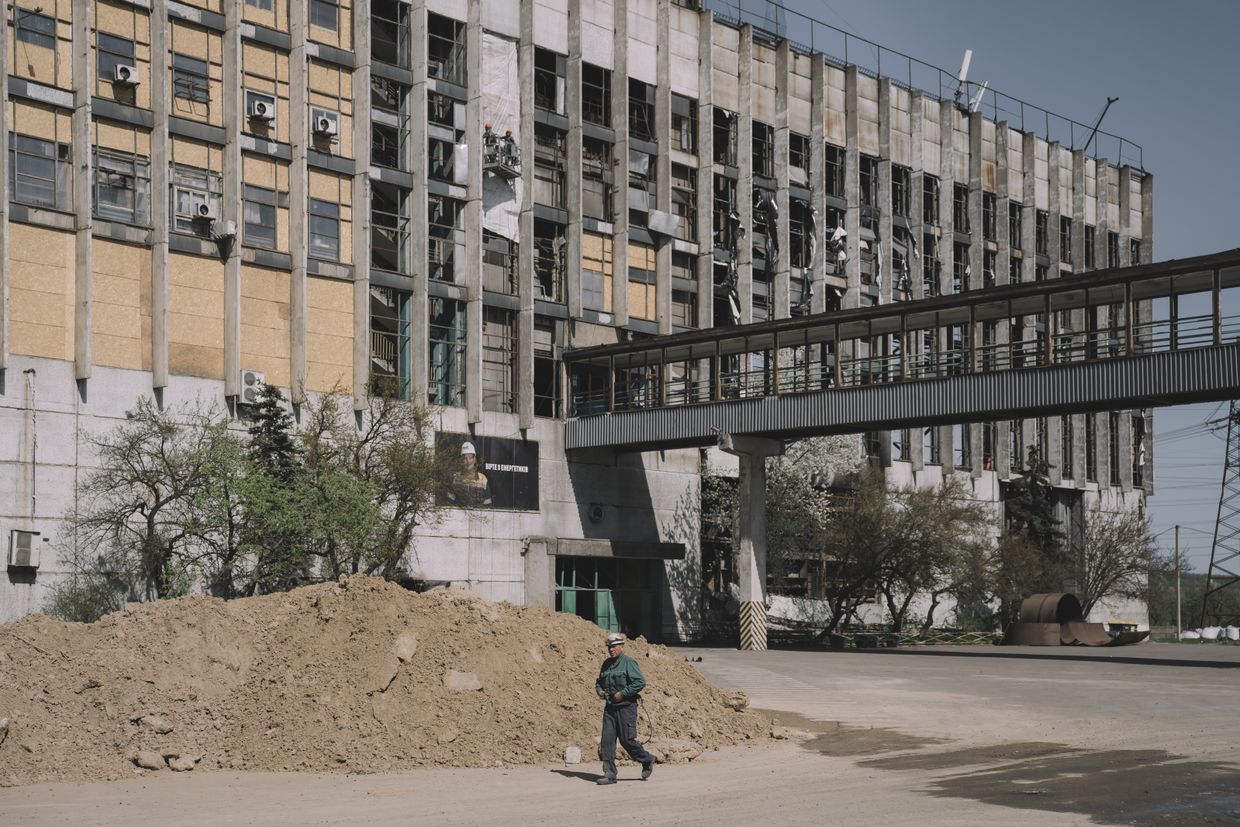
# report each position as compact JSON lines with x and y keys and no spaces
{"x":359,"y":675}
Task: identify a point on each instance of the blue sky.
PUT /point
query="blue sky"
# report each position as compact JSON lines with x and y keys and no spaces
{"x":1175,"y":68}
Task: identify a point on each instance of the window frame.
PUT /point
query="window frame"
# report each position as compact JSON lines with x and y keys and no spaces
{"x":327,"y":214}
{"x":139,"y":171}
{"x":318,"y":6}
{"x":191,"y":91}
{"x":264,"y":199}
{"x":202,"y":186}
{"x":23,"y":32}
{"x":61,"y":181}
{"x":107,"y":59}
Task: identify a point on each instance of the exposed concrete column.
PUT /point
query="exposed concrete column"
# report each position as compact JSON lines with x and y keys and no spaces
{"x":885,"y":232}
{"x":1003,"y":238}
{"x":1078,"y":211}
{"x":360,"y":201}
{"x":419,"y":208}
{"x":525,"y":219}
{"x":705,"y":174}
{"x":780,"y":297}
{"x":946,"y":244}
{"x":818,"y":182}
{"x":663,"y":170}
{"x":1028,"y":264}
{"x":159,"y":195}
{"x":852,"y":188}
{"x":620,"y":125}
{"x":473,"y":214}
{"x":915,"y":450}
{"x":744,"y":179}
{"x":751,"y":532}
{"x":573,"y":147}
{"x":298,"y":195}
{"x":977,"y":276}
{"x":83,"y":181}
{"x":232,"y":206}
{"x":4,"y":215}
{"x":1146,"y":314}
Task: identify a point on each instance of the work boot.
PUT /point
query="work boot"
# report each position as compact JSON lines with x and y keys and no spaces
{"x":647,"y":770}
{"x":605,"y":780}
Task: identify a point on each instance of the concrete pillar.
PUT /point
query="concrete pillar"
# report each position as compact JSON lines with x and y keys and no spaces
{"x":915,"y":450}
{"x":705,"y":174}
{"x":573,"y":147}
{"x":780,"y":296}
{"x":663,"y":169}
{"x":159,"y":197}
{"x":298,"y":196}
{"x":1146,"y":314}
{"x":976,"y":279}
{"x":744,"y":181}
{"x":83,"y":181}
{"x":473,"y":214}
{"x":620,"y":126}
{"x":852,"y":187}
{"x":419,"y":209}
{"x":1003,"y":240}
{"x":818,"y":183}
{"x":232,"y":205}
{"x":751,"y":532}
{"x":1029,"y":264}
{"x":4,"y":216}
{"x":525,"y":221}
{"x":946,"y":240}
{"x":360,"y":199}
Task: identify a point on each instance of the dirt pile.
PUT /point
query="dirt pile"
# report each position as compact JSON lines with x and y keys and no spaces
{"x":356,"y":675}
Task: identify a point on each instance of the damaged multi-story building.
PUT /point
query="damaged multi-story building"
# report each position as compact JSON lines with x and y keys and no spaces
{"x":433,"y":199}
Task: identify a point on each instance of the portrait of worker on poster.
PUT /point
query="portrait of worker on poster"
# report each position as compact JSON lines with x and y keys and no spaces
{"x":489,"y":472}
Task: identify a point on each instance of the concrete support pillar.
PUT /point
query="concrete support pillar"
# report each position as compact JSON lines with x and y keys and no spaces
{"x":744,"y":181}
{"x":1146,"y":314}
{"x":573,"y":146}
{"x":473,"y":214}
{"x":705,"y":174}
{"x":298,"y":196}
{"x":83,"y":180}
{"x":852,"y":187}
{"x":419,"y":209}
{"x":751,"y":532}
{"x":818,"y":184}
{"x":231,"y":207}
{"x":915,"y":449}
{"x":158,"y":201}
{"x":1003,"y":239}
{"x":1029,"y":264}
{"x":4,"y":216}
{"x":780,"y":297}
{"x":620,"y":125}
{"x":663,"y":167}
{"x":885,"y":234}
{"x":946,"y":241}
{"x":525,"y":220}
{"x":360,"y":200}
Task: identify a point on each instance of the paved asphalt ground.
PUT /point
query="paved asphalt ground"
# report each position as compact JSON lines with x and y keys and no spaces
{"x":942,"y":735}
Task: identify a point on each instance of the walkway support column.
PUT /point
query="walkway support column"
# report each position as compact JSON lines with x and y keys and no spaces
{"x":751,"y":532}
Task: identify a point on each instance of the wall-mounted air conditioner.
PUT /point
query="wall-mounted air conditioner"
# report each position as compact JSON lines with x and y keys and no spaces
{"x":251,"y":386}
{"x":326,"y":123}
{"x":23,"y":549}
{"x":125,"y":74}
{"x":261,"y":110}
{"x":207,"y":211}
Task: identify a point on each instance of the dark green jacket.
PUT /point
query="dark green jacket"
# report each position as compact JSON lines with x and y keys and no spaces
{"x":621,"y":675}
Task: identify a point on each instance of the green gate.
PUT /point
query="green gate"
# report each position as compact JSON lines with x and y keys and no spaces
{"x":617,"y":595}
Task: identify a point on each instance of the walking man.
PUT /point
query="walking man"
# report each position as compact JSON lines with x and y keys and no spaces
{"x":620,"y":682}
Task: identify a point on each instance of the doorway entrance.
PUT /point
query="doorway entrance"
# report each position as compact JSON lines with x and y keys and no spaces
{"x":617,"y":595}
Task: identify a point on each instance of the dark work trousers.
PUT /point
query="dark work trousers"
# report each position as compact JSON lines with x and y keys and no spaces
{"x":620,"y":720}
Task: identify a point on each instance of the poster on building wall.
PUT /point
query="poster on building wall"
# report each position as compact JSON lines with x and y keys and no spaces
{"x":491,"y":472}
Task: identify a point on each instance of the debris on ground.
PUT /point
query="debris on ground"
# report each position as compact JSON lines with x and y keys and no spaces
{"x":358,"y":675}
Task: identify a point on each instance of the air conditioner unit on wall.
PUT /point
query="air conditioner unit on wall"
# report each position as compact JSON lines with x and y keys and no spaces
{"x":261,"y":110}
{"x":23,"y":549}
{"x":326,"y":124}
{"x":125,"y":74}
{"x":207,"y":211}
{"x":251,"y":386}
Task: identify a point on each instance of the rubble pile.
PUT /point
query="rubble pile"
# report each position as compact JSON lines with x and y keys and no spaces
{"x":359,"y":675}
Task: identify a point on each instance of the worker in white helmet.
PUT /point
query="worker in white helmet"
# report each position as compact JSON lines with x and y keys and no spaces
{"x":620,"y":682}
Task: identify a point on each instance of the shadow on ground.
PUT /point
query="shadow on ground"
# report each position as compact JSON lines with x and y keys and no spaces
{"x":1152,"y":787}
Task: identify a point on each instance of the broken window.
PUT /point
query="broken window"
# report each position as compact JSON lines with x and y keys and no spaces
{"x":684,"y":123}
{"x":1090,"y":239}
{"x":1114,"y":447}
{"x":499,"y":364}
{"x":549,"y":80}
{"x":960,"y":208}
{"x":389,"y":32}
{"x":499,"y":263}
{"x":901,"y":178}
{"x":835,"y":171}
{"x":930,"y":200}
{"x":595,"y":94}
{"x":930,"y":446}
{"x":763,"y":149}
{"x":725,"y":218}
{"x":546,"y":367}
{"x":643,"y":187}
{"x":989,"y":278}
{"x":596,"y":272}
{"x":446,"y":239}
{"x":390,"y":347}
{"x":446,"y":354}
{"x":1065,"y":239}
{"x":549,"y":261}
{"x":960,"y":268}
{"x":962,"y":450}
{"x":1112,"y":250}
{"x":725,"y":137}
{"x":1134,"y":251}
{"x":1091,"y":447}
{"x":929,"y":266}
{"x":641,"y":285}
{"x":684,"y":201}
{"x":684,"y":290}
{"x":122,"y":186}
{"x":1065,"y":446}
{"x":641,"y":110}
{"x":1014,"y":270}
{"x":190,"y":79}
{"x":389,"y":227}
{"x":869,"y":181}
{"x":800,"y":222}
{"x":1016,"y":217}
{"x":445,"y":47}
{"x":798,"y":152}
{"x":1041,"y":227}
{"x":596,"y":179}
{"x":549,"y":166}
{"x":389,"y":122}
{"x":989,"y":208}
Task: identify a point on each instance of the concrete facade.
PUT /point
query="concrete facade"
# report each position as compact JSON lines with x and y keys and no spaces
{"x":381,"y":246}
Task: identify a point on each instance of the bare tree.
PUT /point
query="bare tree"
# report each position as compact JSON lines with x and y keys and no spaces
{"x":1116,"y":556}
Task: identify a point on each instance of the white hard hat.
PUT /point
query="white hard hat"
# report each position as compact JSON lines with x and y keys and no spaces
{"x":467,"y":449}
{"x":613,"y":639}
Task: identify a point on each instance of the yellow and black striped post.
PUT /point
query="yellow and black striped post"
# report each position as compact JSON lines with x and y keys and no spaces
{"x":753,"y":626}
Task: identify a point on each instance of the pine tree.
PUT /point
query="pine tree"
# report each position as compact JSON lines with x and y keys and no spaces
{"x":272,"y":445}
